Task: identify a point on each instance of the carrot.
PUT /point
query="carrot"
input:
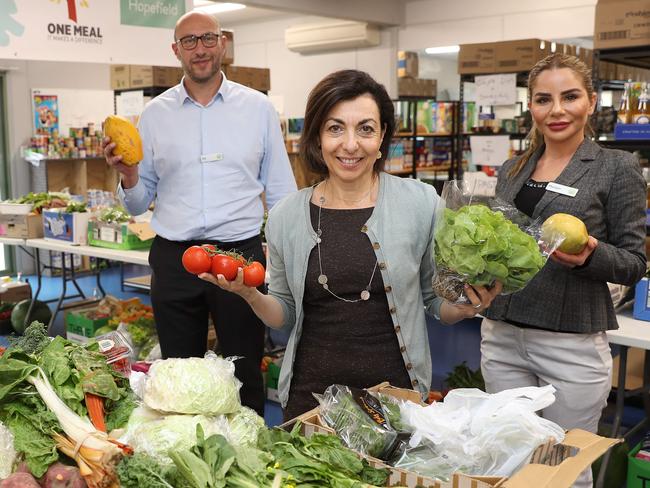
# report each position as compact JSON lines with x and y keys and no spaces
{"x":95,"y":405}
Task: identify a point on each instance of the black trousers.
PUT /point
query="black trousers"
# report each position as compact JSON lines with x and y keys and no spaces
{"x":181,"y":304}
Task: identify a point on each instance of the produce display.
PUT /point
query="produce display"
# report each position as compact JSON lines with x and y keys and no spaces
{"x":43,"y":200}
{"x":126,"y":137}
{"x":570,"y":229}
{"x":208,"y":259}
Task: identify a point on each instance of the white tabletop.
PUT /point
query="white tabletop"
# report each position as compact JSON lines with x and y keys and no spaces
{"x":12,"y":241}
{"x":631,"y":332}
{"x":134,"y":257}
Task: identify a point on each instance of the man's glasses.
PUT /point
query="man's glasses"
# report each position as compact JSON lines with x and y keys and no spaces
{"x":209,"y":39}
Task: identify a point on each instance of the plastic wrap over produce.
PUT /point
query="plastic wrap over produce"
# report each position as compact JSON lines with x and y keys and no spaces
{"x":481,"y":240}
{"x":476,"y":433}
{"x":358,"y":419}
{"x":7,"y":451}
{"x":206,"y":386}
{"x":156,"y":434}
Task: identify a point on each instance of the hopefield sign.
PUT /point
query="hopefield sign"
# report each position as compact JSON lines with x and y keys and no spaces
{"x":97,"y":31}
{"x":151,"y":13}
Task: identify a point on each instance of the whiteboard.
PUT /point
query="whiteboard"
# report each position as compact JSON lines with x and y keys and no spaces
{"x":496,"y":89}
{"x":78,"y":107}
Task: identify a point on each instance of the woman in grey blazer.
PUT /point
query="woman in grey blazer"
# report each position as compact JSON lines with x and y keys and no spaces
{"x":553,"y":331}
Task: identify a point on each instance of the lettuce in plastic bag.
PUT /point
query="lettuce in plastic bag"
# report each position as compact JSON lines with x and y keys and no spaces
{"x":193,"y":386}
{"x":7,"y":451}
{"x":155,"y":434}
{"x":245,"y":426}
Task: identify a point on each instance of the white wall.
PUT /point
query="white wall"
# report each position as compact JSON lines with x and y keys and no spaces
{"x":293,"y":75}
{"x":441,"y":22}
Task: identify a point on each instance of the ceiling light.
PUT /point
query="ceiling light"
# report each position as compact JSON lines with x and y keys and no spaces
{"x":216,"y":8}
{"x":442,"y":49}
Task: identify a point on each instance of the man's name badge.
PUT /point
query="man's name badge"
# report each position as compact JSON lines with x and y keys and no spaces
{"x":209,"y":158}
{"x":562,"y":189}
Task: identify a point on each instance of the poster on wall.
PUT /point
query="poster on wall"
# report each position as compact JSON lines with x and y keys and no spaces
{"x":46,"y":113}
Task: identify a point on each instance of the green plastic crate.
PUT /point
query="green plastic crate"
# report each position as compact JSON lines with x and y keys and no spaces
{"x":638,"y":470}
{"x":77,"y":322}
{"x":120,"y":237}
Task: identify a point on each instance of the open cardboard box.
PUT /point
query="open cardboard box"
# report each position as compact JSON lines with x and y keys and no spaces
{"x":550,"y":466}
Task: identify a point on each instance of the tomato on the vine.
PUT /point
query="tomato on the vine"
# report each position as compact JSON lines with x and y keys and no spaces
{"x":196,"y":260}
{"x":254,"y":274}
{"x":210,"y":247}
{"x":223,"y":264}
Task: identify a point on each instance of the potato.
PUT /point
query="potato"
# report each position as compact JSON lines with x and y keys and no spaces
{"x":61,"y":476}
{"x":19,"y":480}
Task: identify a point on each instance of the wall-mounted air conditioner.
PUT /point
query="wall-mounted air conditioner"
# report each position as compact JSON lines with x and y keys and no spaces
{"x":331,"y":36}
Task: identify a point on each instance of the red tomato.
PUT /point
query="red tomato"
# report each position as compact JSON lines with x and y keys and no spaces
{"x":254,"y":274}
{"x":225,"y":265}
{"x":209,"y":247}
{"x":196,"y":260}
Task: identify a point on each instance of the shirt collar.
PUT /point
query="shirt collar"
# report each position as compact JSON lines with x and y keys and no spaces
{"x":223,"y":92}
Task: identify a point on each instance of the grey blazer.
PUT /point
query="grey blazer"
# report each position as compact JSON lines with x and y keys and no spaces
{"x":611,"y":201}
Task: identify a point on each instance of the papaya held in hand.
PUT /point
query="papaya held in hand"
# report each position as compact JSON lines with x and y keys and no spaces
{"x":571,"y":228}
{"x":126,"y":138}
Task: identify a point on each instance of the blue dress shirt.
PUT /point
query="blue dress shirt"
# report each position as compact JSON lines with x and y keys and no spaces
{"x":207,"y":166}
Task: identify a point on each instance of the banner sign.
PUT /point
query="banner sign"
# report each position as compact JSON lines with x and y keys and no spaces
{"x":99,"y":31}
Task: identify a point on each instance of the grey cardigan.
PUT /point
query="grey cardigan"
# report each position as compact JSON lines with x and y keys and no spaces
{"x":401,"y":232}
{"x":611,"y":201}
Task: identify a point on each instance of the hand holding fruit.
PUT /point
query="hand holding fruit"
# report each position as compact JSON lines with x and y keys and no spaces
{"x":227,"y":270}
{"x":122,"y":148}
{"x":576,"y":246}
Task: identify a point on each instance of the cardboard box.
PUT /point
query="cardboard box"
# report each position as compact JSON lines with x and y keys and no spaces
{"x":516,"y":56}
{"x":59,"y":225}
{"x":15,"y":291}
{"x":416,"y":87}
{"x":158,"y":76}
{"x":81,"y":323}
{"x":550,"y":466}
{"x":255,"y":78}
{"x":477,"y":59}
{"x":407,"y":64}
{"x":120,"y":76}
{"x":28,"y":226}
{"x":229,"y":57}
{"x":120,"y":236}
{"x":622,"y":23}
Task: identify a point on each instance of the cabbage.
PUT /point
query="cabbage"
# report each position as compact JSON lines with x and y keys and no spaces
{"x":245,"y":426}
{"x":204,"y":386}
{"x":7,"y":451}
{"x":155,"y":434}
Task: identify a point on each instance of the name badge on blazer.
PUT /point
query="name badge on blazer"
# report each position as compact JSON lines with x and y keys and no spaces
{"x":562,"y":189}
{"x":209,"y":158}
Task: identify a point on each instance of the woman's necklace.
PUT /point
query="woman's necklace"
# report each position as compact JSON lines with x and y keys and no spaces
{"x":322,"y":277}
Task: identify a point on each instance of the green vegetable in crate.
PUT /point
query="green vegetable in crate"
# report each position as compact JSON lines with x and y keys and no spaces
{"x":40,"y":312}
{"x":114,"y":215}
{"x":482,"y":246}
{"x":104,"y":330}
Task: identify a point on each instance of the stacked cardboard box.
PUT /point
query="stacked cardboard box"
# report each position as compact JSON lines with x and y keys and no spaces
{"x":256,"y":78}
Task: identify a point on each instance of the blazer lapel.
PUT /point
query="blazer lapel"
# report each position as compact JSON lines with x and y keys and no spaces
{"x":576,"y":168}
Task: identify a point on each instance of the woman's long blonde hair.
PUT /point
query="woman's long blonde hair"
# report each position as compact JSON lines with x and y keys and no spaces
{"x":554,"y":61}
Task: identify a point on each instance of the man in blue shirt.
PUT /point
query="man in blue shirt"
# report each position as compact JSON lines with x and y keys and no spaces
{"x":211,"y":148}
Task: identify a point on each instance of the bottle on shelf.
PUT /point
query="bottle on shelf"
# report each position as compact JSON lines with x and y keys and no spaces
{"x":642,"y":113}
{"x":624,"y":111}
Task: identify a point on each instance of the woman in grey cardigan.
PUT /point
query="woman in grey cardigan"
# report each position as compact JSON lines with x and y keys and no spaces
{"x":553,"y":331}
{"x":351,"y":258}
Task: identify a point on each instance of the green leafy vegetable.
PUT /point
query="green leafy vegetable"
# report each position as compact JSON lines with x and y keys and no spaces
{"x":483,"y":246}
{"x":141,"y":471}
{"x":73,"y":206}
{"x":463,"y":377}
{"x":33,"y":340}
{"x":114,"y":215}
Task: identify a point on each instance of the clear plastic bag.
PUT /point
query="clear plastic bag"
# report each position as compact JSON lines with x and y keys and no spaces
{"x":205,"y":385}
{"x":358,"y":419}
{"x":7,"y":451}
{"x":478,"y":433}
{"x":481,"y":240}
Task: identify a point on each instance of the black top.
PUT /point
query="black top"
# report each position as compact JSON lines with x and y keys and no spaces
{"x":353,"y":344}
{"x":530,"y":195}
